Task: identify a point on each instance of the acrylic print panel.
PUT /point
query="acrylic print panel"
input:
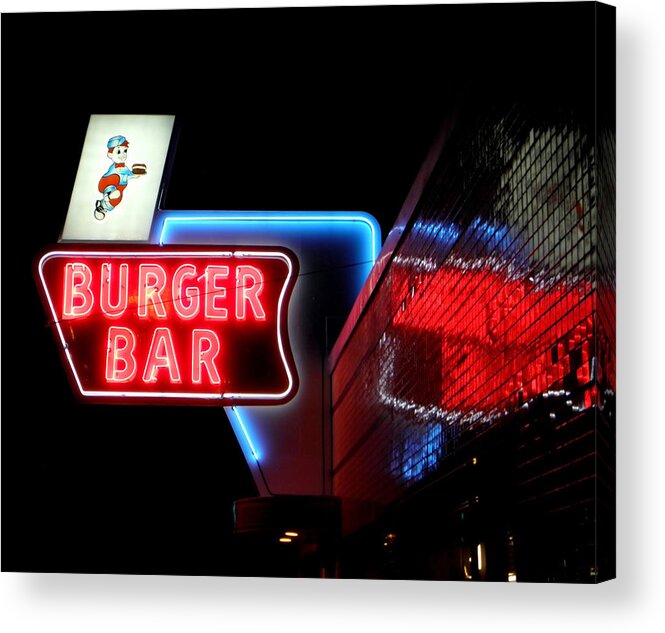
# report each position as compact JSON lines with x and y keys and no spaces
{"x":464,"y":428}
{"x":119,"y":178}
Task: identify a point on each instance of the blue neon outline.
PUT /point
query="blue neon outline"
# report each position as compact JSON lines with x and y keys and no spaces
{"x":194,"y":217}
{"x":245,"y":433}
{"x":197,"y":217}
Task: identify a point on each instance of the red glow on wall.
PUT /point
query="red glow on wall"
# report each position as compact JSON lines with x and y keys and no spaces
{"x":149,"y":324}
{"x":502,"y":340}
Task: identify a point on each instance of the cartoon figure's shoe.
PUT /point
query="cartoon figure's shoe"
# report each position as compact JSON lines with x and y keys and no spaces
{"x":100,"y":213}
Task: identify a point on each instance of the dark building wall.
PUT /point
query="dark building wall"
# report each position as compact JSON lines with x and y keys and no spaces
{"x":473,"y":401}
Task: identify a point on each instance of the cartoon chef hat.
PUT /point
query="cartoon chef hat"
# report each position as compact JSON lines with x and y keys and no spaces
{"x":114,"y":141}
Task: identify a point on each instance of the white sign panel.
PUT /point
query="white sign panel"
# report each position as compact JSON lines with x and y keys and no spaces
{"x":119,"y":177}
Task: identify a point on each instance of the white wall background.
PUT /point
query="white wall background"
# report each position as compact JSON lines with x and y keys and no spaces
{"x":634,"y":602}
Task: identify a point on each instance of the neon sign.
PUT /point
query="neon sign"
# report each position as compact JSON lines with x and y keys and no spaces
{"x":206,"y":325}
{"x":335,"y":249}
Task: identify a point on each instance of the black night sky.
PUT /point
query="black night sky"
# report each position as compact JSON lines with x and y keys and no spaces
{"x":293,"y":109}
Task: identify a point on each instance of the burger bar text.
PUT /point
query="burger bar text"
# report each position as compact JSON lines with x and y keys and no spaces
{"x":173,"y":323}
{"x":184,"y":291}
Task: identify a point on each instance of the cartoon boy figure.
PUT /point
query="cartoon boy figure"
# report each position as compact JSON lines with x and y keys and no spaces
{"x":114,"y":181}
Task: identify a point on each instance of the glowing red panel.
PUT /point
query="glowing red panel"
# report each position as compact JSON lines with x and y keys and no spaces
{"x":146,"y":324}
{"x":502,"y":340}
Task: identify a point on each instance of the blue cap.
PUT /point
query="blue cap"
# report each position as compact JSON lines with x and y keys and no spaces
{"x":114,"y":141}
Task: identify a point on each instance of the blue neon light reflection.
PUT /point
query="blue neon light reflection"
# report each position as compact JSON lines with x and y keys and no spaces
{"x":479,"y":239}
{"x":418,"y":451}
{"x":487,"y":238}
{"x":446,"y":234}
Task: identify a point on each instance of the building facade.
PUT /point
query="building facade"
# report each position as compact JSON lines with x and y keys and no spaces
{"x":473,"y":387}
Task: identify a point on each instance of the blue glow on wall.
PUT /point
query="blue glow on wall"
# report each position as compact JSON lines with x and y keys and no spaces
{"x":479,"y":239}
{"x":417,"y":451}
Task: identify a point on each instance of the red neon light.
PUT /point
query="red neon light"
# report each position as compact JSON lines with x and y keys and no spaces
{"x":113,"y":306}
{"x":186,"y":300}
{"x":206,"y":346}
{"x":77,"y":296}
{"x":148,"y":324}
{"x":162,"y":355}
{"x":249,"y":282}
{"x":151,"y":284}
{"x":120,"y":359}
{"x":215,"y":292}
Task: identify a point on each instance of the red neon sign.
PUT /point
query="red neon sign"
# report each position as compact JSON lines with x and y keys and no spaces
{"x":168,"y":324}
